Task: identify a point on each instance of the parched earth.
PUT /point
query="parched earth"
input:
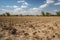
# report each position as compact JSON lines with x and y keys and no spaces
{"x":29,"y":28}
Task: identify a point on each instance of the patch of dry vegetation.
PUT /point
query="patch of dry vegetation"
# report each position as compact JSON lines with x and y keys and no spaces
{"x":29,"y":28}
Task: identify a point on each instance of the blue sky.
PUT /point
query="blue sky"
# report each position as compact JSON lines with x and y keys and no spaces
{"x":29,"y":6}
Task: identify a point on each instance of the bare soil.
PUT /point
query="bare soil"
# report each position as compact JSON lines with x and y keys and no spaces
{"x":30,"y":28}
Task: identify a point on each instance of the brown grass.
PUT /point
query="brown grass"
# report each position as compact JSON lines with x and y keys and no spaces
{"x":30,"y":28}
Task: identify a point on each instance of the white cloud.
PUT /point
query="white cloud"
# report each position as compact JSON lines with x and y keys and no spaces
{"x":58,"y":0}
{"x":25,"y":3}
{"x":37,"y":10}
{"x":23,"y":6}
{"x":34,"y":8}
{"x":46,"y":4}
{"x":3,"y":9}
{"x":7,"y":6}
{"x":55,"y":10}
{"x":17,"y":9}
{"x":33,"y":11}
{"x":20,"y":1}
{"x":49,"y":1}
{"x":57,"y":3}
{"x":43,"y":6}
{"x":15,"y":6}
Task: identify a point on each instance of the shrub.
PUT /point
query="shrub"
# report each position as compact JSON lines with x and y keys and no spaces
{"x":43,"y":14}
{"x":48,"y":14}
{"x":20,"y":15}
{"x":58,"y":13}
{"x":6,"y":14}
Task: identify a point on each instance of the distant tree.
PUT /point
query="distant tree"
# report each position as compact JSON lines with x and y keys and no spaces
{"x":0,"y":14}
{"x":15,"y":15}
{"x":58,"y":13}
{"x":6,"y":14}
{"x":48,"y":14}
{"x":43,"y":14}
{"x":20,"y":15}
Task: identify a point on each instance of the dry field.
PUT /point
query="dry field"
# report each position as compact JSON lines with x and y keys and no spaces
{"x":29,"y":28}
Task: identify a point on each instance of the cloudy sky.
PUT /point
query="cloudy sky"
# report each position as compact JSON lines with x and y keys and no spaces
{"x":29,"y":6}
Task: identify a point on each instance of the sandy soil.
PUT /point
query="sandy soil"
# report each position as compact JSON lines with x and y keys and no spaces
{"x":30,"y":28}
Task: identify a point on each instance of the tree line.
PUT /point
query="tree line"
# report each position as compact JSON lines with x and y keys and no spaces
{"x":50,"y":14}
{"x":42,"y":14}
